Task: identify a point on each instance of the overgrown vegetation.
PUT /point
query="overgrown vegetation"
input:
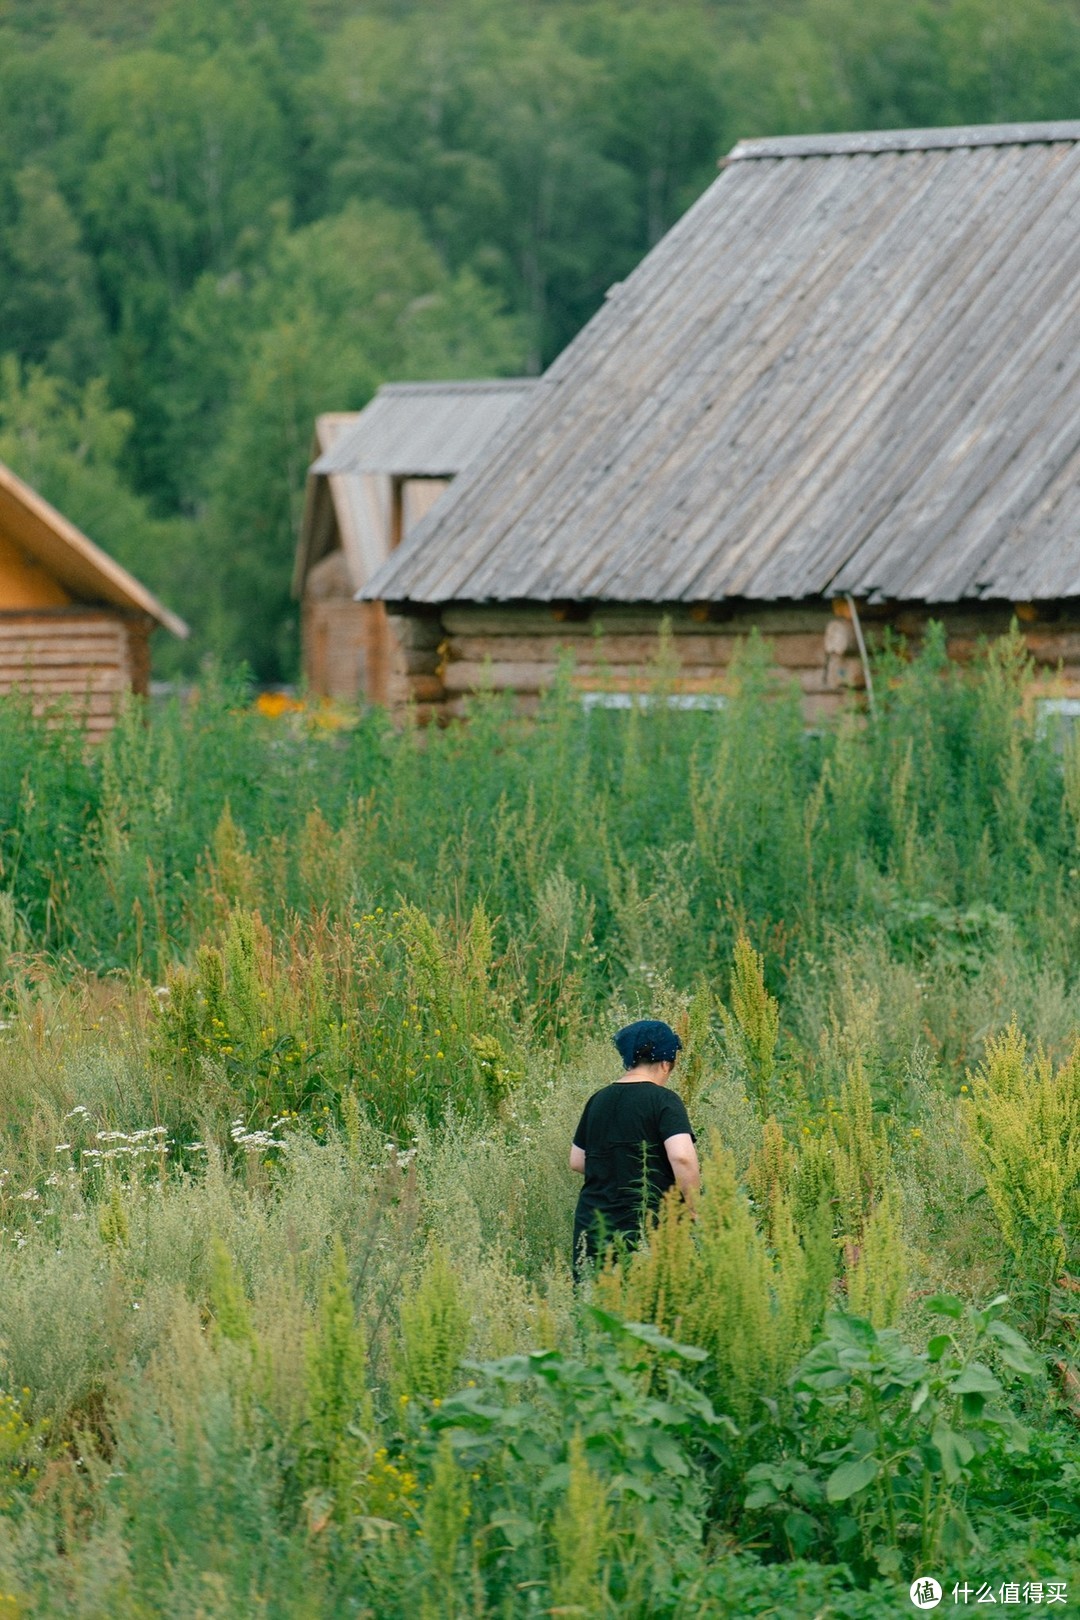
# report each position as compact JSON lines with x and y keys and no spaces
{"x":219,"y":217}
{"x":296,"y":1027}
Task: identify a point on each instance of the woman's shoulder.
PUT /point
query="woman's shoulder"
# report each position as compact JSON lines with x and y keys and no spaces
{"x":667,"y":1101}
{"x":604,"y":1093}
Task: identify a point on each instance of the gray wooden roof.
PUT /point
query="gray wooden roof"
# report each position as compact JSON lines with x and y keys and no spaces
{"x":854,"y":365}
{"x":425,"y":429}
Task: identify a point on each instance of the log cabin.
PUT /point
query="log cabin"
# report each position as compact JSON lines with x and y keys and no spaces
{"x":376,"y":473}
{"x":75,"y":627}
{"x":841,"y":396}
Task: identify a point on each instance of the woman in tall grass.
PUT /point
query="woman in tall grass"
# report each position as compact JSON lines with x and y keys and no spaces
{"x":633,"y":1143}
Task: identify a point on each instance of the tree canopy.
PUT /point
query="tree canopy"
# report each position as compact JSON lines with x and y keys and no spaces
{"x":218,"y":219}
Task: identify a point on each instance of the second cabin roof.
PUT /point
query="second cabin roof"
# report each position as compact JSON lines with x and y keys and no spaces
{"x":425,"y":429}
{"x":854,"y":365}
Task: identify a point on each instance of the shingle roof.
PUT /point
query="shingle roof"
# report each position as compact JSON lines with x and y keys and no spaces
{"x":854,"y":365}
{"x":424,"y":430}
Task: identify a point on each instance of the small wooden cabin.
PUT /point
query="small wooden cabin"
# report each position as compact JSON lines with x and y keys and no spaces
{"x":74,"y":625}
{"x":843,"y":393}
{"x":377,"y":472}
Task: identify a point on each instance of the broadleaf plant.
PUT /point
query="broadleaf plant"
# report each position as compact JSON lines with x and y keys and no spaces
{"x":891,"y":1438}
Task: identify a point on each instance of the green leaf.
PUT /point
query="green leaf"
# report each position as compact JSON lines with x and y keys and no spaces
{"x":645,"y":1333}
{"x":1014,"y":1349}
{"x":976,"y":1379}
{"x":801,"y":1530}
{"x":761,"y":1496}
{"x":851,"y":1330}
{"x":514,"y":1527}
{"x":832,"y":1379}
{"x":945,"y":1305}
{"x":850,"y":1478}
{"x":938,"y":1346}
{"x":954,"y":1449}
{"x":806,"y":1489}
{"x":668,"y":1455}
{"x":887,"y":1559}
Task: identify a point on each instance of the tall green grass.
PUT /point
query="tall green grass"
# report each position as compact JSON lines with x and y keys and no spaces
{"x":643,"y":838}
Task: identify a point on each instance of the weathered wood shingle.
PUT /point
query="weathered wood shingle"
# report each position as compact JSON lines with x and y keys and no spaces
{"x":424,"y":429}
{"x":854,"y":365}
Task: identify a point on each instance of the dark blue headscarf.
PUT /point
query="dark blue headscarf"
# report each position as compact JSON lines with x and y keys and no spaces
{"x":648,"y":1041}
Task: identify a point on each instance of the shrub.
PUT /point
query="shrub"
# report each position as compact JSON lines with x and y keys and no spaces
{"x":749,"y":1301}
{"x":338,"y":1415}
{"x":1024,"y":1123}
{"x":528,"y":1426}
{"x":891,"y":1439}
{"x":435,"y":1330}
{"x":752,"y":1025}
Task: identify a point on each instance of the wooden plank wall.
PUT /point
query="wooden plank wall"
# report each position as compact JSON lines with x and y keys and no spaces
{"x":444,"y":657}
{"x":349,"y":652}
{"x":85,"y":657}
{"x":333,"y":641}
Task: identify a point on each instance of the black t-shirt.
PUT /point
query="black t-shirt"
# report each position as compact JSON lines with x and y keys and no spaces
{"x":622,"y":1134}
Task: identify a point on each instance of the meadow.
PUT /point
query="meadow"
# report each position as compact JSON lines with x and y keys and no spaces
{"x":296,"y":1022}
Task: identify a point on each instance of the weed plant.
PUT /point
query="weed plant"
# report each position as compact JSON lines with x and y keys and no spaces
{"x":295,"y":1028}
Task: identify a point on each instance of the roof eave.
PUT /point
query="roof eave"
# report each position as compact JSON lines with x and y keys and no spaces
{"x":74,"y":558}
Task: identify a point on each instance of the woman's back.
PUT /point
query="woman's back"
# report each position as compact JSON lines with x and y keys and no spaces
{"x":622,"y":1134}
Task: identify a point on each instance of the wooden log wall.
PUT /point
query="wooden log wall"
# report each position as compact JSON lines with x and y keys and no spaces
{"x":443,"y":657}
{"x":446,"y":657}
{"x":82,"y":658}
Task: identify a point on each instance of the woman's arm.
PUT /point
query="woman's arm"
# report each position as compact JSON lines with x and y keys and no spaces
{"x":577,"y":1160}
{"x":682,"y":1156}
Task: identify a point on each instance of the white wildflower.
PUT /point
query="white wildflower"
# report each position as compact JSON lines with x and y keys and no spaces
{"x":253,"y":1141}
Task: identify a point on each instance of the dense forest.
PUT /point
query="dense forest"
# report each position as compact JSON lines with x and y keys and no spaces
{"x":217,"y":219}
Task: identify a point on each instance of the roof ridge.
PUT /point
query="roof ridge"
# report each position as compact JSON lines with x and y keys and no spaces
{"x":470,"y":385}
{"x":949,"y":137}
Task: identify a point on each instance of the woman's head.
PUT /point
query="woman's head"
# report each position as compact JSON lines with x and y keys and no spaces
{"x":650,"y":1041}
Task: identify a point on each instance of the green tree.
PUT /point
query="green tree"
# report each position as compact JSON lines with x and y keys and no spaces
{"x":489,"y":122}
{"x":346,"y":302}
{"x":182,"y":163}
{"x":49,"y":311}
{"x":662,"y":107}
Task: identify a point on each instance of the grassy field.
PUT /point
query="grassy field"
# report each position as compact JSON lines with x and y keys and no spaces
{"x":295,"y":1026}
